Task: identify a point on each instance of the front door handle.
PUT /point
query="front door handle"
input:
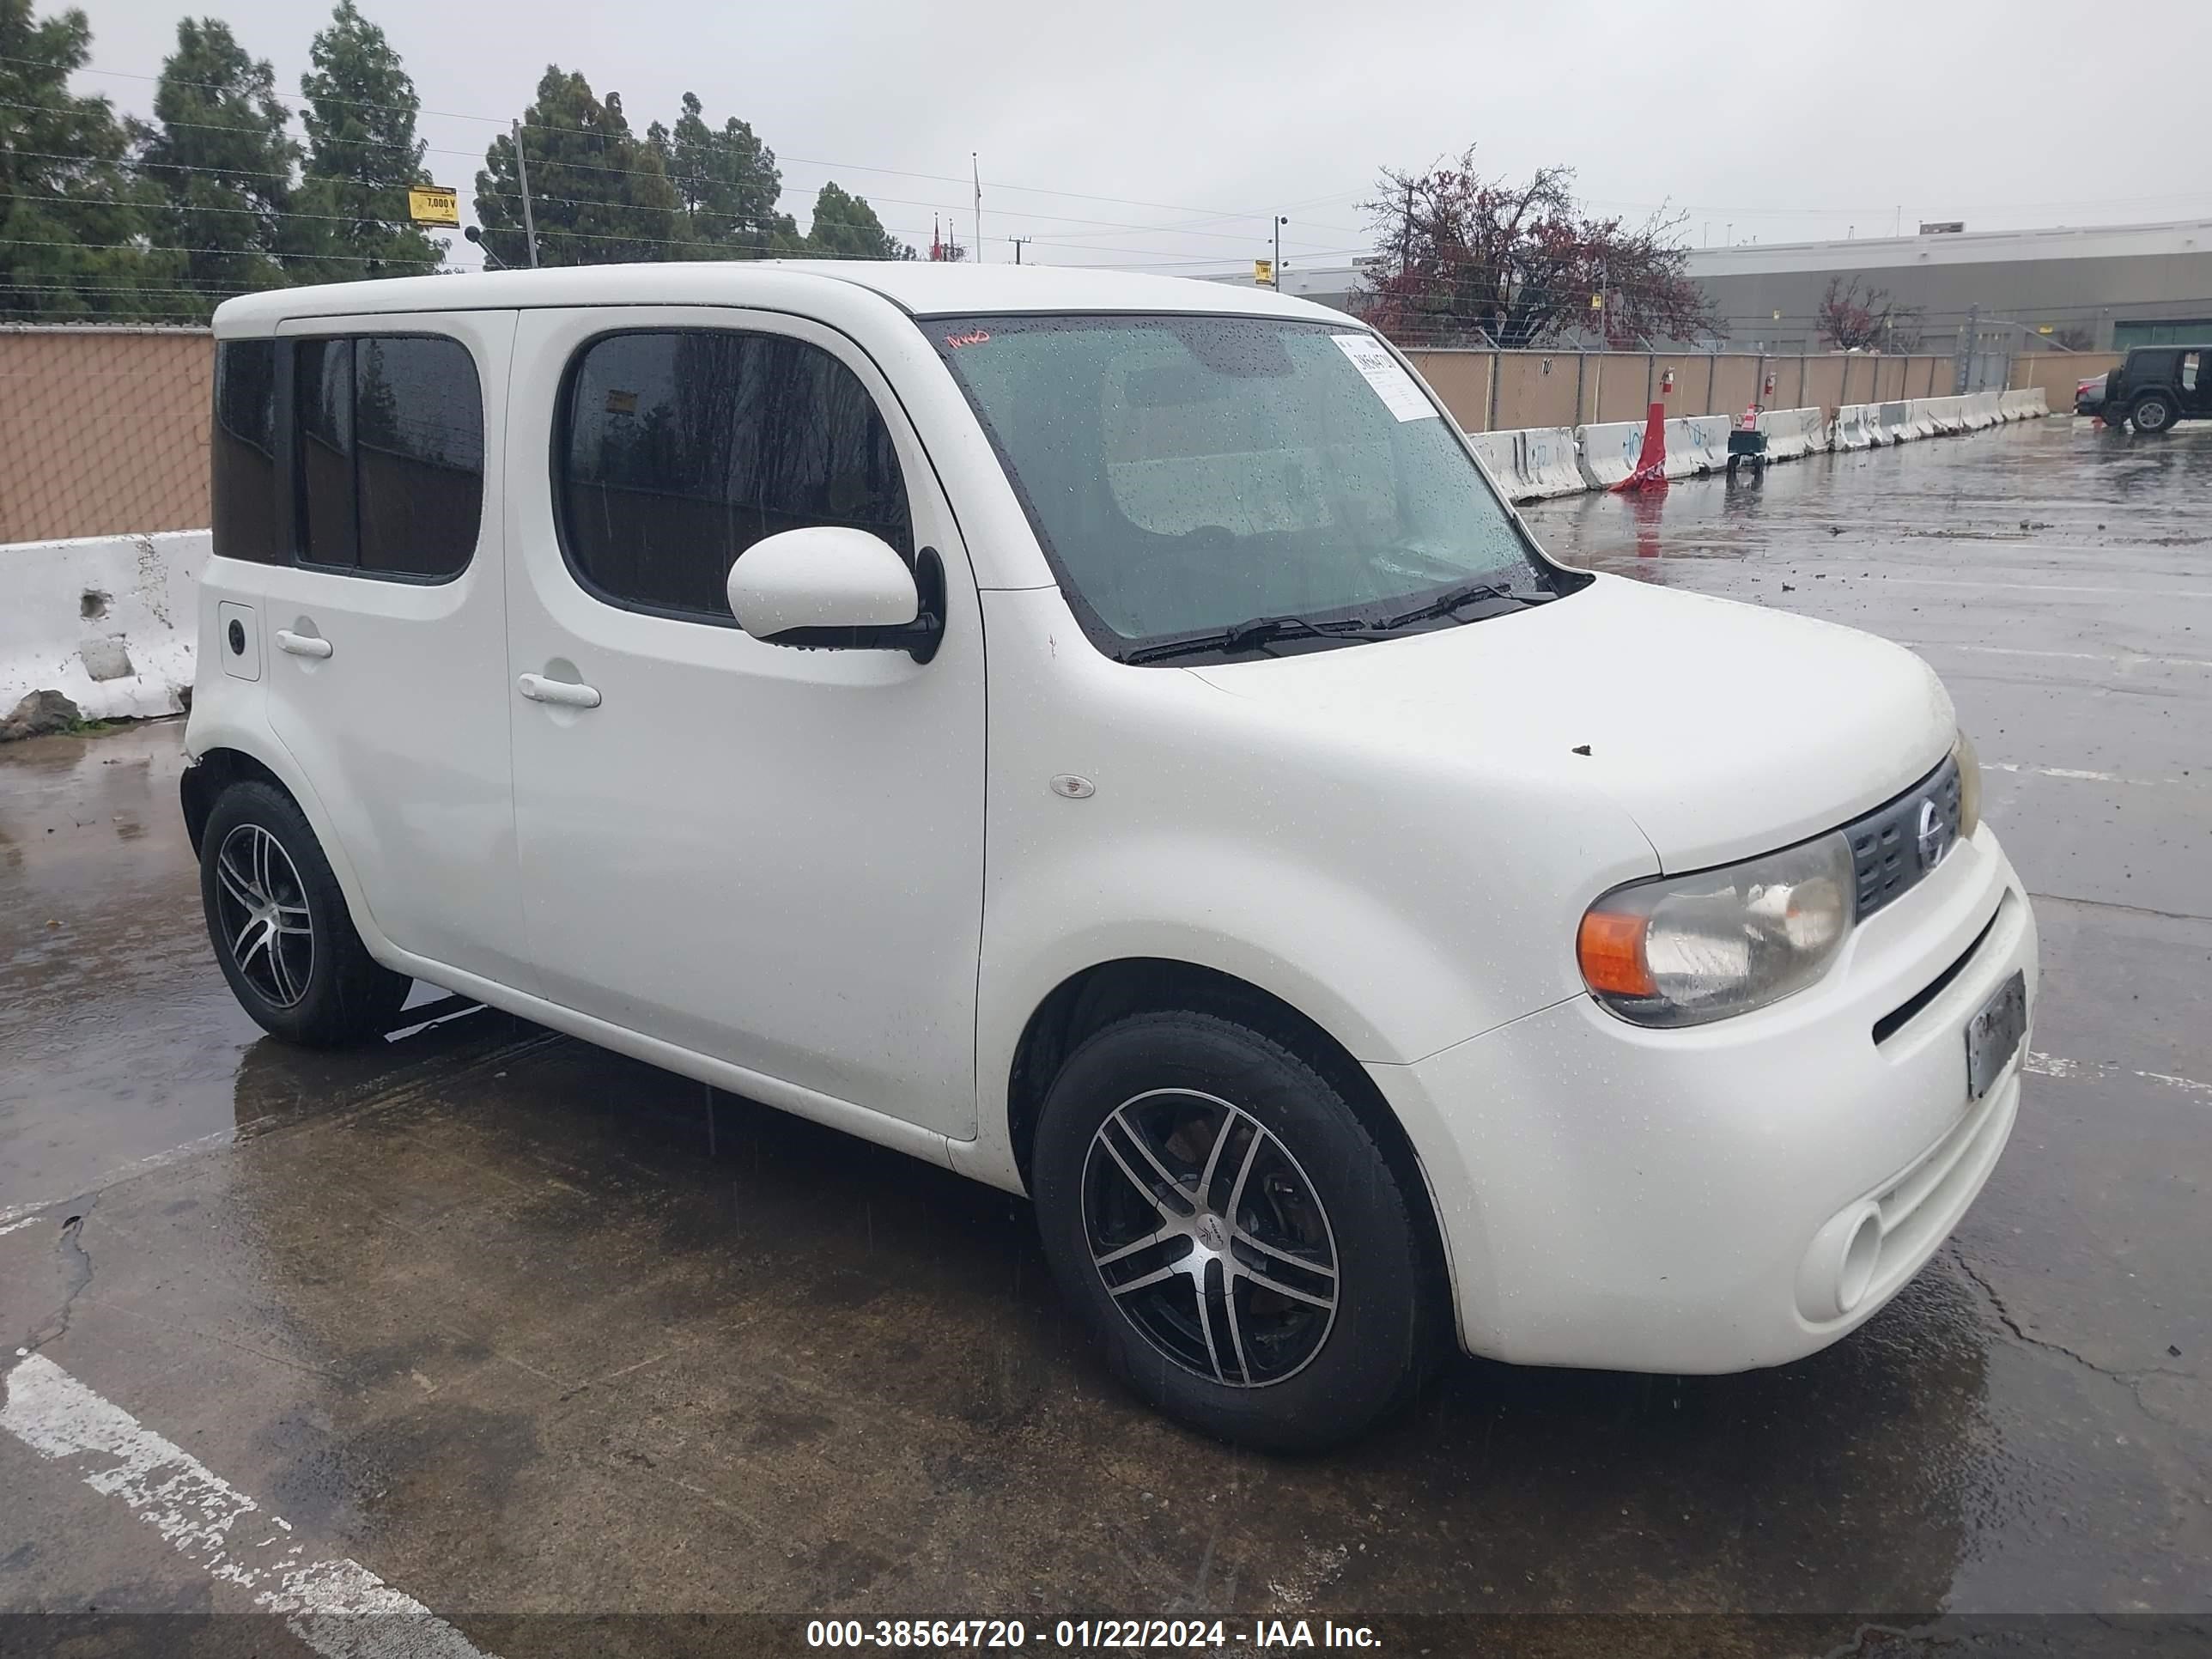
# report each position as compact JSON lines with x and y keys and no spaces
{"x":538,"y":689}
{"x":302,"y":645}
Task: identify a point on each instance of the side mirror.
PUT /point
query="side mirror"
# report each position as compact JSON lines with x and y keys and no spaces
{"x":832,"y":588}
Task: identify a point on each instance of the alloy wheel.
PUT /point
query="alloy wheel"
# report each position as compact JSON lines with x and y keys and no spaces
{"x":263,"y":908}
{"x":1210,"y":1237}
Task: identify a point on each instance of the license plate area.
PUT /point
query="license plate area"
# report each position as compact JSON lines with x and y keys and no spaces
{"x":1994,"y":1034}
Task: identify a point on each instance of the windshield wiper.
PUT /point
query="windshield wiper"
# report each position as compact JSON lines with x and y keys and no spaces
{"x":1251,"y":635}
{"x":1457,"y":599}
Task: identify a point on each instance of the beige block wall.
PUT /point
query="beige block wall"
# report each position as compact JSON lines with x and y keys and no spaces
{"x":103,"y":431}
{"x":1736,"y":381}
{"x":1538,"y":388}
{"x":1461,"y":379}
{"x":2058,"y":371}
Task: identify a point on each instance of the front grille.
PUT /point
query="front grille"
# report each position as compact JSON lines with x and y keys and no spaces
{"x":1896,"y":845}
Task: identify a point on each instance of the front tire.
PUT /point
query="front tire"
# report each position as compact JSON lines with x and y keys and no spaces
{"x":278,"y":922}
{"x":1233,"y":1232}
{"x":2152,"y":414}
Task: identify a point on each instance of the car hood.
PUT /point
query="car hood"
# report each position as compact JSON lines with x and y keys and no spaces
{"x":1723,"y":729}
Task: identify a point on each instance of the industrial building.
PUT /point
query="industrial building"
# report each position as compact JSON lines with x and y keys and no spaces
{"x":2098,"y":288}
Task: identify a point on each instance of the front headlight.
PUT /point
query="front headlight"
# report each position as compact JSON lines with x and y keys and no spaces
{"x":1970,"y":786}
{"x":1682,"y":950}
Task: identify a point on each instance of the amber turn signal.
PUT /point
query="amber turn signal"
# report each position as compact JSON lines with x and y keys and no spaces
{"x":1610,"y":947}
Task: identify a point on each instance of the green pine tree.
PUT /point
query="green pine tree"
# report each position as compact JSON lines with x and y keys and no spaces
{"x":845,"y":227}
{"x":598,"y":192}
{"x":727,"y":184}
{"x":74,"y":218}
{"x":219,"y":148}
{"x":362,"y":155}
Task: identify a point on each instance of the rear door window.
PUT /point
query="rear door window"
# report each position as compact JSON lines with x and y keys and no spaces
{"x":388,"y":454}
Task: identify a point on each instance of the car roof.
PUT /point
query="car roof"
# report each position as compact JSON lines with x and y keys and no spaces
{"x":921,"y":288}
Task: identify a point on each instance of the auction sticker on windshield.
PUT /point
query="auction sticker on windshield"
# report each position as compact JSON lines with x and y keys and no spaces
{"x":1392,"y":384}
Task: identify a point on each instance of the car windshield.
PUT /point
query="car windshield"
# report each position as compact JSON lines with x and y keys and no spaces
{"x":1219,"y":484}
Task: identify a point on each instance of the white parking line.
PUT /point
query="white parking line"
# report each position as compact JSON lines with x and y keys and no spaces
{"x":2077,"y":773}
{"x":2059,"y":1066}
{"x":2117,"y":658}
{"x":2051,"y":588}
{"x":336,"y":1606}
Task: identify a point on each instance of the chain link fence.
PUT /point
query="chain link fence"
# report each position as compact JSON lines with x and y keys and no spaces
{"x":103,"y":430}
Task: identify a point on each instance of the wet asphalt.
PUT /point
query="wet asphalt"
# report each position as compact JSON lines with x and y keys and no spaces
{"x":531,"y":1331}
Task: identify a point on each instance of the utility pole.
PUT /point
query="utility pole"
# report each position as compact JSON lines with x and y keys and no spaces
{"x":522,"y":174}
{"x":1277,"y":267}
{"x":1017,"y":241}
{"x":1970,"y":341}
{"x":975,"y":172}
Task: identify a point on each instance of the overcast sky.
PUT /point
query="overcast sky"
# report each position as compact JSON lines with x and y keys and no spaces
{"x":1100,"y":126}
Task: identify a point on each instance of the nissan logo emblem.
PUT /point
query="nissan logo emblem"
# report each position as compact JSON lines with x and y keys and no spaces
{"x":1930,"y":837}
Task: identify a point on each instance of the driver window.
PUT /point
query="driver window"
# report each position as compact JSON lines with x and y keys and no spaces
{"x":679,"y":448}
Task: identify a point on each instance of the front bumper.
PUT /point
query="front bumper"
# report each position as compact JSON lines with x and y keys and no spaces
{"x":1680,"y":1201}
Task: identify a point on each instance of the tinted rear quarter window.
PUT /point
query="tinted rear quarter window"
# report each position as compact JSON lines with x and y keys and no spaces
{"x":680,"y":448}
{"x":243,"y":481}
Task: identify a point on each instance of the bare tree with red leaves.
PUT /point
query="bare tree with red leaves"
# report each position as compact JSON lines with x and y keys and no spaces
{"x":1855,"y":320}
{"x":1466,"y":259}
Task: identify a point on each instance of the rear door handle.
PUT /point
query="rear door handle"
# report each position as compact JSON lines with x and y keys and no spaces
{"x":302,"y":645}
{"x":538,"y":689}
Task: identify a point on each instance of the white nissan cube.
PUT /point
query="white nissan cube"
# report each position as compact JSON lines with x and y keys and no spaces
{"x":1104,"y":735}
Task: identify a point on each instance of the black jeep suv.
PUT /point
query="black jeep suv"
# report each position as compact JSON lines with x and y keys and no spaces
{"x":2156,"y":386}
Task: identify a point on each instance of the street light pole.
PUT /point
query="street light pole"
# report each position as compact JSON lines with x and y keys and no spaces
{"x":522,"y":174}
{"x":1279,"y":222}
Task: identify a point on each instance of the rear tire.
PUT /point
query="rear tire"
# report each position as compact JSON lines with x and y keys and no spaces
{"x":2153,"y":413}
{"x":1233,"y":1234}
{"x":278,"y":922}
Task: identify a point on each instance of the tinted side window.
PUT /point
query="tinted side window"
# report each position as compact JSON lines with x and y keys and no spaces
{"x":419,"y":425}
{"x":243,"y":473}
{"x":322,"y":399}
{"x":681,"y":448}
{"x":389,"y":454}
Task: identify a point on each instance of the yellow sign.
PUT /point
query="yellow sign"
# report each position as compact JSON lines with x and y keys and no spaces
{"x":2044,"y":328}
{"x":1597,"y":303}
{"x":1263,"y":272}
{"x":429,"y":204}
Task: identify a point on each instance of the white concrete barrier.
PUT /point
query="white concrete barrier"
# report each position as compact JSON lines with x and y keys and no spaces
{"x":1946,"y":414}
{"x":1546,"y":458}
{"x":1495,"y":450}
{"x":1920,"y":417}
{"x":1792,"y":433}
{"x":1608,"y":453}
{"x":1851,"y":429}
{"x":1893,"y":423}
{"x":1697,"y":444}
{"x":109,"y":621}
{"x":1982,"y":410}
{"x":2033,"y":404}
